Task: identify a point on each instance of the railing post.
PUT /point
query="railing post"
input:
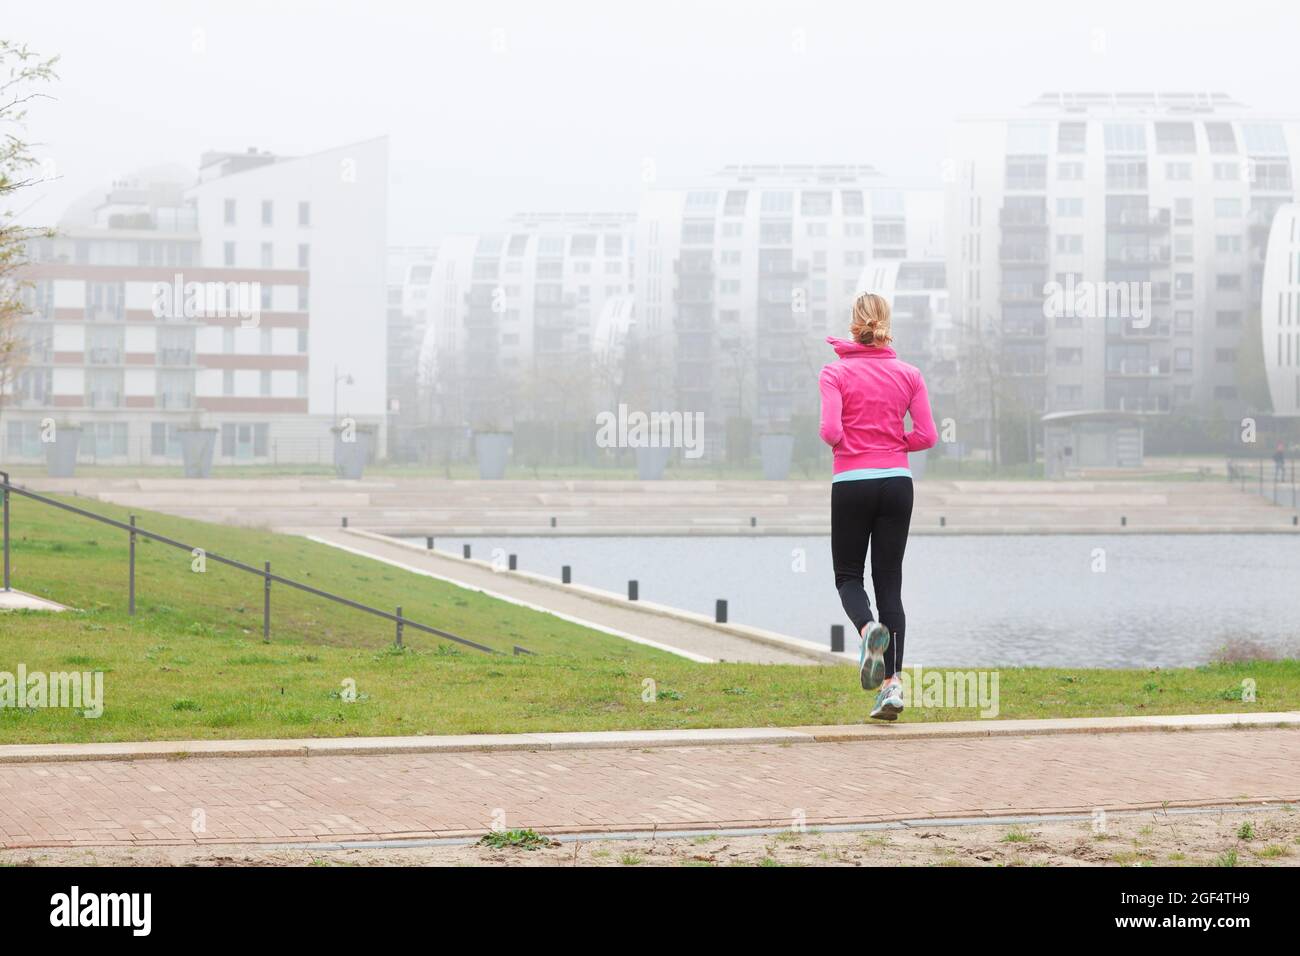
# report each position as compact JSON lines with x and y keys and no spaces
{"x":266,"y":604}
{"x":131,"y":598}
{"x":5,"y":476}
{"x":399,"y":625}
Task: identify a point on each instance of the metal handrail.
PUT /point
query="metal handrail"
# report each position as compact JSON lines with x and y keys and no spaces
{"x":265,"y":573}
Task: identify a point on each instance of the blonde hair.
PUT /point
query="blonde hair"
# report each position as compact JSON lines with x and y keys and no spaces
{"x":870,"y":325}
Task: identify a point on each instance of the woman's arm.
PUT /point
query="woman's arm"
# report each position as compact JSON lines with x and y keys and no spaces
{"x":832,"y":429}
{"x":923,"y":434}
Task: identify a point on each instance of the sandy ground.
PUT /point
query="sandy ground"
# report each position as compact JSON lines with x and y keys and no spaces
{"x":1229,"y":837}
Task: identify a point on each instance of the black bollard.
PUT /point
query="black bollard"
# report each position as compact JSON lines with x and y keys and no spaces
{"x":837,"y":637}
{"x":720,"y":612}
{"x":428,"y":542}
{"x":632,"y":591}
{"x":465,"y":552}
{"x":514,"y":562}
{"x":566,"y":575}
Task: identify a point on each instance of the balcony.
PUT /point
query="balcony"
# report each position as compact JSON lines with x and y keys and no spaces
{"x":1138,"y":368}
{"x":1153,"y":256}
{"x":1140,"y":220}
{"x":174,"y":357}
{"x":1025,"y":330}
{"x":104,"y":356}
{"x":101,"y":398}
{"x":1016,"y":254}
{"x":1023,"y":219}
{"x":174,"y":400}
{"x":1145,"y":404}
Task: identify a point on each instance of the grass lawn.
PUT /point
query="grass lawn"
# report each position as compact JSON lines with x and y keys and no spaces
{"x":192,"y":663}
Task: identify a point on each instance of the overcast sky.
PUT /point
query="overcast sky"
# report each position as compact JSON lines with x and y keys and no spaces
{"x":494,"y":107}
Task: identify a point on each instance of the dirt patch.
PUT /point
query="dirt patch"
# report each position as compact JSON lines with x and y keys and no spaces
{"x":1221,"y":838}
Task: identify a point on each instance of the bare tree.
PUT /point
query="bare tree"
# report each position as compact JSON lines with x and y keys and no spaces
{"x":21,"y":71}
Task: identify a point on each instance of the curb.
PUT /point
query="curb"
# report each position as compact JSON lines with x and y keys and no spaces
{"x":635,"y":739}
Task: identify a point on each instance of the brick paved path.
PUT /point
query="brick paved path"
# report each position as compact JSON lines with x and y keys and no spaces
{"x":275,"y":799}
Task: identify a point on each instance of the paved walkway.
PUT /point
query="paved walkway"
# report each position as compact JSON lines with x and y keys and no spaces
{"x":694,"y":635}
{"x":420,"y":506}
{"x":424,"y":795}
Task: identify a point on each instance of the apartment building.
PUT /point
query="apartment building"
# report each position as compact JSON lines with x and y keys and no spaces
{"x":512,"y":315}
{"x":743,"y":273}
{"x":1112,"y":245}
{"x":240,"y":297}
{"x":410,"y":276}
{"x":1281,"y":312}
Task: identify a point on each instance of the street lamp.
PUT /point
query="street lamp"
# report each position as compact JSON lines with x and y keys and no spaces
{"x":346,"y":379}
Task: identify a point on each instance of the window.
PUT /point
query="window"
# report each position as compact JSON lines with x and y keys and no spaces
{"x":1125,"y":138}
{"x":697,"y":232}
{"x":303,"y":298}
{"x":817,"y":230}
{"x":1069,"y":356}
{"x":268,"y":212}
{"x":1227,"y":244}
{"x":582,"y":245}
{"x":1178,"y":171}
{"x":1225,"y":392}
{"x":855,"y":230}
{"x":1172,"y":138}
{"x":851,"y":202}
{"x":1069,"y":245}
{"x":228,"y":253}
{"x":1182,"y":321}
{"x":1225,"y":356}
{"x":304,"y":255}
{"x":1183,"y":211}
{"x":1183,"y":248}
{"x":1227,"y":318}
{"x":613,"y":245}
{"x":1126,"y":174}
{"x":230,"y":212}
{"x":304,"y":214}
{"x":777,"y":202}
{"x":730,"y":257}
{"x":1069,"y":207}
{"x":1227,"y":208}
{"x":1183,"y":285}
{"x":266,"y":255}
{"x":1069,"y":172}
{"x":1220,"y":137}
{"x":1183,"y":360}
{"x":732,"y":230}
{"x":815,"y":203}
{"x":1263,"y":139}
{"x":228,"y":382}
{"x":701,"y":202}
{"x":736,"y":201}
{"x":1072,"y":138}
{"x":1227,"y":172}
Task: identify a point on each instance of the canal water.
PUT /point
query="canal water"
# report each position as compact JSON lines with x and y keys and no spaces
{"x":972,"y":601}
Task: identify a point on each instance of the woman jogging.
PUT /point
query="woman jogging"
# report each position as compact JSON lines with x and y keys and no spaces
{"x":864,"y":397}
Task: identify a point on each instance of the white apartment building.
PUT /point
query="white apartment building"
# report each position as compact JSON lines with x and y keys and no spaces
{"x":297,"y":245}
{"x":1091,"y":193}
{"x":924,"y":331}
{"x":1280,"y":327}
{"x":512,"y":314}
{"x":742,"y":274}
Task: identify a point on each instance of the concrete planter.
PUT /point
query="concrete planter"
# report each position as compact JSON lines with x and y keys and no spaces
{"x":61,"y":454}
{"x":651,"y":462}
{"x":351,"y":457}
{"x":776,"y":452}
{"x":197,"y":446}
{"x":493,"y":451}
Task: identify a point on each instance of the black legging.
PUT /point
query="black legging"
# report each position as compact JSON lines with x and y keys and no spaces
{"x":876,"y":511}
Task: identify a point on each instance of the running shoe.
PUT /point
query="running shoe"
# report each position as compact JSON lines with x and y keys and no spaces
{"x":871,"y":655}
{"x":889,"y":702}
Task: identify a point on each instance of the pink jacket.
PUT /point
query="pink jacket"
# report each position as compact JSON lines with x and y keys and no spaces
{"x":864,"y":396}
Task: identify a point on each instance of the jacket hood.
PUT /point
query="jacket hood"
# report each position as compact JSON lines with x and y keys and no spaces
{"x":846,"y":347}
